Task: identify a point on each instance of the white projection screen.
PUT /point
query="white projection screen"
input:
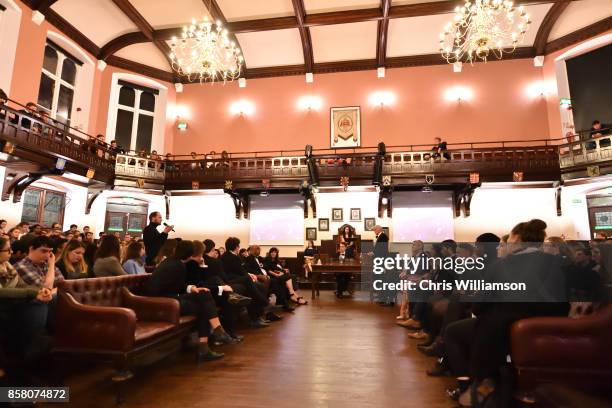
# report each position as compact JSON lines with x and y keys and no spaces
{"x":277,"y":220}
{"x":424,"y":216}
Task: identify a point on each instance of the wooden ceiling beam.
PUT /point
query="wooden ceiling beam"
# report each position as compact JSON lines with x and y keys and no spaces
{"x":42,"y":5}
{"x":120,"y":42}
{"x":383,"y":31}
{"x":547,"y":24}
{"x":300,"y":14}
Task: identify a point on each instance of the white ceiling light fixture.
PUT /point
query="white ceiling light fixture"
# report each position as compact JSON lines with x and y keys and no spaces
{"x":309,"y":78}
{"x":205,"y":53}
{"x":457,"y":66}
{"x":101,"y":65}
{"x":538,"y":61}
{"x":242,"y":82}
{"x":38,"y":17}
{"x":482,"y":29}
{"x":380,"y":72}
{"x":178,"y":87}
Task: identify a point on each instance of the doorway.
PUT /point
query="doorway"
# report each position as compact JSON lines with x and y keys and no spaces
{"x":126,"y":215}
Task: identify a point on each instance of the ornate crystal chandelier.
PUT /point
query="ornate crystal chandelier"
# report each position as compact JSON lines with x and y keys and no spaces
{"x":205,"y":53}
{"x":483,"y":28}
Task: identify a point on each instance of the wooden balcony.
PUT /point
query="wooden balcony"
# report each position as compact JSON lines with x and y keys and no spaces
{"x":32,"y":139}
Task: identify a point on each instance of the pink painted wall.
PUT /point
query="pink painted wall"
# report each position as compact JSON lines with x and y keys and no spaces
{"x":499,"y":110}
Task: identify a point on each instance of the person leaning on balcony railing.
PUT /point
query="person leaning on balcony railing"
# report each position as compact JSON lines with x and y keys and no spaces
{"x":439,"y":149}
{"x":3,"y":100}
{"x":597,"y":130}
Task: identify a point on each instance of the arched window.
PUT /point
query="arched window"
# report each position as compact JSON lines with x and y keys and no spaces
{"x":135,"y":116}
{"x":57,"y":82}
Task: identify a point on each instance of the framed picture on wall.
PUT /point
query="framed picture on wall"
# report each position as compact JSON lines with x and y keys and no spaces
{"x":337,"y":214}
{"x":368,"y":224}
{"x":323,"y":224}
{"x":345,"y":127}
{"x":311,"y":234}
{"x":355,"y":214}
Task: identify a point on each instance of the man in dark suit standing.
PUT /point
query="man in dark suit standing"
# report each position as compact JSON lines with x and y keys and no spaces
{"x":153,"y":239}
{"x":170,"y":280}
{"x":381,"y":250}
{"x":235,"y":271}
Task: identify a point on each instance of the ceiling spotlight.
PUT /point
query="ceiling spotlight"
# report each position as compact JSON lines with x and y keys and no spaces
{"x":380,"y":72}
{"x":309,"y":78}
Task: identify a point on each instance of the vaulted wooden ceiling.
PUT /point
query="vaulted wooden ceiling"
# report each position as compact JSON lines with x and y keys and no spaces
{"x":289,"y":37}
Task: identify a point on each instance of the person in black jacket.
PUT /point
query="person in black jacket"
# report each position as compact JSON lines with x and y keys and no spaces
{"x":272,"y":264}
{"x":235,"y":272}
{"x":254,"y":264}
{"x":153,"y":239}
{"x":242,"y":285}
{"x":223,"y":294}
{"x":170,"y":280}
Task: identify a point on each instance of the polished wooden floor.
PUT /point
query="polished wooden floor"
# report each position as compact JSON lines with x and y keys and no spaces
{"x":331,"y":353}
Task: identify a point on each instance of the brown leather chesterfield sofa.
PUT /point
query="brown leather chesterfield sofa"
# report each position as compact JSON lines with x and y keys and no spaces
{"x":563,"y":350}
{"x":102,"y":319}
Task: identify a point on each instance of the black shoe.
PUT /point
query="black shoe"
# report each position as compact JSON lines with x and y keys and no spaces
{"x":238,"y":300}
{"x":288,"y":308}
{"x":437,"y":370}
{"x":454,"y":393}
{"x":258,"y":324}
{"x":209,"y":356}
{"x":436,"y":349}
{"x":219,"y":339}
{"x":238,"y":338}
{"x":339,"y":295}
{"x":273,"y":317}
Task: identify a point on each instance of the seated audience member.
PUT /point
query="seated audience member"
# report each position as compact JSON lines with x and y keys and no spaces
{"x":32,"y":110}
{"x":19,"y":251}
{"x":490,"y":338}
{"x":254,"y":264}
{"x":598,"y":130}
{"x":13,"y":234}
{"x":169,"y":279}
{"x":223,"y":294}
{"x":116,"y":148}
{"x":439,"y":149}
{"x":71,"y":262}
{"x":59,"y":244}
{"x":3,"y":225}
{"x":107,"y":258}
{"x":273,"y":265}
{"x":23,"y":313}
{"x":221,"y":250}
{"x":134,"y":259}
{"x":309,"y":253}
{"x":166,"y":251}
{"x":342,"y":279}
{"x":236,"y":272}
{"x":73,"y":229}
{"x":3,"y":101}
{"x":584,"y":282}
{"x":35,"y":268}
{"x":56,"y":229}
{"x":243,"y":254}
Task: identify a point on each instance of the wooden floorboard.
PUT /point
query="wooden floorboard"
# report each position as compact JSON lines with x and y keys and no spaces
{"x":331,"y":353}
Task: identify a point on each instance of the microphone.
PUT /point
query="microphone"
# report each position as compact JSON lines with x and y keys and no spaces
{"x":166,"y":225}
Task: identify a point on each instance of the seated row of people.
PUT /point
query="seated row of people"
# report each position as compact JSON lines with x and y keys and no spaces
{"x":469,"y":333}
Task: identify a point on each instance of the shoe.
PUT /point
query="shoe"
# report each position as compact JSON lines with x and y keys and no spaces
{"x":419,"y":335}
{"x":339,"y":295}
{"x":410,"y":324}
{"x":238,"y":300}
{"x":436,"y":349}
{"x":288,"y":308}
{"x":437,"y":370}
{"x":219,"y":339}
{"x":209,"y":356}
{"x":454,"y":393}
{"x":238,"y":338}
{"x":258,"y":324}
{"x":401,"y":317}
{"x":427,"y":343}
{"x":273,"y":317}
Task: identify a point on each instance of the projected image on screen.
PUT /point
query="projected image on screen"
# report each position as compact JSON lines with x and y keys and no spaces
{"x":427,"y":217}
{"x":277,"y":220}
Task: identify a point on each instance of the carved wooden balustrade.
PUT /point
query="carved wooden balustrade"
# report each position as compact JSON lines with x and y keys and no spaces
{"x":44,"y":141}
{"x":586,"y":152}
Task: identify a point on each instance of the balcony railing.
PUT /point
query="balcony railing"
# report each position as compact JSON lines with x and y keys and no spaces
{"x":591,"y":151}
{"x":140,"y":167}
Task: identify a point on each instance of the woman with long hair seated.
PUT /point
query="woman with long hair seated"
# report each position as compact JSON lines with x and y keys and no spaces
{"x":347,"y":237}
{"x":133,"y":262}
{"x":107,"y":258}
{"x":72,"y":262}
{"x":272,"y":264}
{"x":166,"y":251}
{"x":309,"y":254}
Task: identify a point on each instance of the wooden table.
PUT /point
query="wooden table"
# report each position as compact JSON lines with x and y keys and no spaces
{"x":331,"y":267}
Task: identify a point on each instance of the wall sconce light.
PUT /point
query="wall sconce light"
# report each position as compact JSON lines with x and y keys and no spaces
{"x":382,"y":98}
{"x":242,"y":107}
{"x":458,"y":93}
{"x":309,"y":78}
{"x":538,"y":89}
{"x":309,"y":103}
{"x":380,"y":72}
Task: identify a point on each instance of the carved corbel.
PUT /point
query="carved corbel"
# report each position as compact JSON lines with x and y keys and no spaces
{"x":93,"y":192}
